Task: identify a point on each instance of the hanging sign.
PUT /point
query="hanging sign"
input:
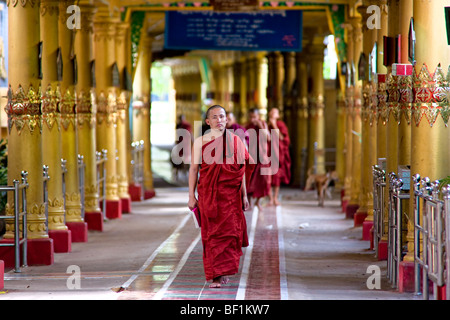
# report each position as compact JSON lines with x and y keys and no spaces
{"x":258,"y":31}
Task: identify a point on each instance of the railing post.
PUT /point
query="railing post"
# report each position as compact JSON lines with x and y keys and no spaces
{"x":81,"y":166}
{"x":63,"y":172}
{"x":46,"y":177}
{"x":24,"y":218}
{"x":104,"y":159}
{"x":446,"y":197}
{"x":16,"y":227}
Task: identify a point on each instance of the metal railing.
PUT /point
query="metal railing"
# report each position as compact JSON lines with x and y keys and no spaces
{"x":430,"y":220}
{"x":101,"y":178}
{"x":18,"y":188}
{"x":137,"y":163}
{"x":379,"y":185}
{"x":63,"y":176}
{"x":397,"y":195}
{"x":45,"y":179}
{"x":81,"y":166}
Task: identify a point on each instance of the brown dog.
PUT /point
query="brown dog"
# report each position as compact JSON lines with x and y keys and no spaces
{"x":321,"y":182}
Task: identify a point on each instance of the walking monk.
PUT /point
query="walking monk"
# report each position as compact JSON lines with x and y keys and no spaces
{"x":259,"y":186}
{"x":283,"y":175}
{"x":223,"y":163}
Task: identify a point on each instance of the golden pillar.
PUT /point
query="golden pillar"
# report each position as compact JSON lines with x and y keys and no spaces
{"x":289,"y":78}
{"x":382,"y":108}
{"x":316,"y":120}
{"x":123,"y":101}
{"x":141,"y":110}
{"x":86,"y":110}
{"x":69,"y":149}
{"x":25,"y":126}
{"x":51,"y":128}
{"x":340,"y":140}
{"x":300,"y":122}
{"x":404,"y":140}
{"x":368,"y":146}
{"x":275,"y":78}
{"x":429,"y":132}
{"x":354,"y":201}
{"x":104,"y":48}
{"x":349,"y":102}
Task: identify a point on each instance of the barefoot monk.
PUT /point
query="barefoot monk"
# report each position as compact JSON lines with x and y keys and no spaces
{"x":220,"y":164}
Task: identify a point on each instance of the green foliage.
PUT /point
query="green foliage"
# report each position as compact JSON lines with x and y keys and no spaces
{"x":444,"y":182}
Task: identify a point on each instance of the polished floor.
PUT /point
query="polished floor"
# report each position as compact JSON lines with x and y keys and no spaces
{"x":297,"y":251}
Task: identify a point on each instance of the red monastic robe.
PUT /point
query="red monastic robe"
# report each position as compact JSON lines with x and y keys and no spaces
{"x":223,"y":225}
{"x":259,"y":185}
{"x":283,"y":175}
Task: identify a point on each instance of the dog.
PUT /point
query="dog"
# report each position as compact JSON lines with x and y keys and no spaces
{"x":320,"y":182}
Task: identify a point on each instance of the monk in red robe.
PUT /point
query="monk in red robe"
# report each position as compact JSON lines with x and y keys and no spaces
{"x":281,"y":149}
{"x":223,"y":163}
{"x":259,"y":185}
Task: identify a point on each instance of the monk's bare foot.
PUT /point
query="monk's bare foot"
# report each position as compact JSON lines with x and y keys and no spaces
{"x":276,"y":202}
{"x":216,"y":283}
{"x":225,"y":280}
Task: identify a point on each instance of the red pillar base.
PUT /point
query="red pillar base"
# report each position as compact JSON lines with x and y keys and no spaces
{"x":135,"y":191}
{"x":441,"y":294}
{"x":2,"y":274}
{"x":406,"y":276}
{"x":40,"y":252}
{"x":148,"y":194}
{"x":126,"y":205}
{"x":358,"y":218}
{"x":113,"y":209}
{"x":79,"y":231}
{"x":371,"y":239}
{"x":382,"y":250}
{"x":344,"y":204}
{"x":62,"y":240}
{"x":350,"y":210}
{"x":366,"y":235}
{"x":94,"y":220}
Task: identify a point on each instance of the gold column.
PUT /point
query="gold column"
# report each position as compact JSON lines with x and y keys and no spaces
{"x":86,"y":110}
{"x":301,"y":122}
{"x":141,"y":109}
{"x":404,"y":141}
{"x":354,"y":201}
{"x":51,"y":128}
{"x":276,"y":75}
{"x":237,"y":107}
{"x":74,"y":219}
{"x":368,"y":148}
{"x":25,"y":125}
{"x":289,"y":78}
{"x":104,"y":49}
{"x":316,"y":118}
{"x":382,"y":105}
{"x":341,"y":124}
{"x":349,"y":102}
{"x":122,"y":124}
{"x":429,"y":134}
{"x":392,"y":102}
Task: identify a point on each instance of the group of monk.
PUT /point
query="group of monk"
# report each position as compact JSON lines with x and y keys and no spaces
{"x":226,"y":176}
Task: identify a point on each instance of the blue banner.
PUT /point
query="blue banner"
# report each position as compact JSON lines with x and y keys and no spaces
{"x":259,"y":31}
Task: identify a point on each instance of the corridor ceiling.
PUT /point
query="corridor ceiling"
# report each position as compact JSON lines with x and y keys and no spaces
{"x":316,"y":22}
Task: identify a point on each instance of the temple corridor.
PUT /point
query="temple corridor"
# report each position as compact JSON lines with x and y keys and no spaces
{"x":299,"y":252}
